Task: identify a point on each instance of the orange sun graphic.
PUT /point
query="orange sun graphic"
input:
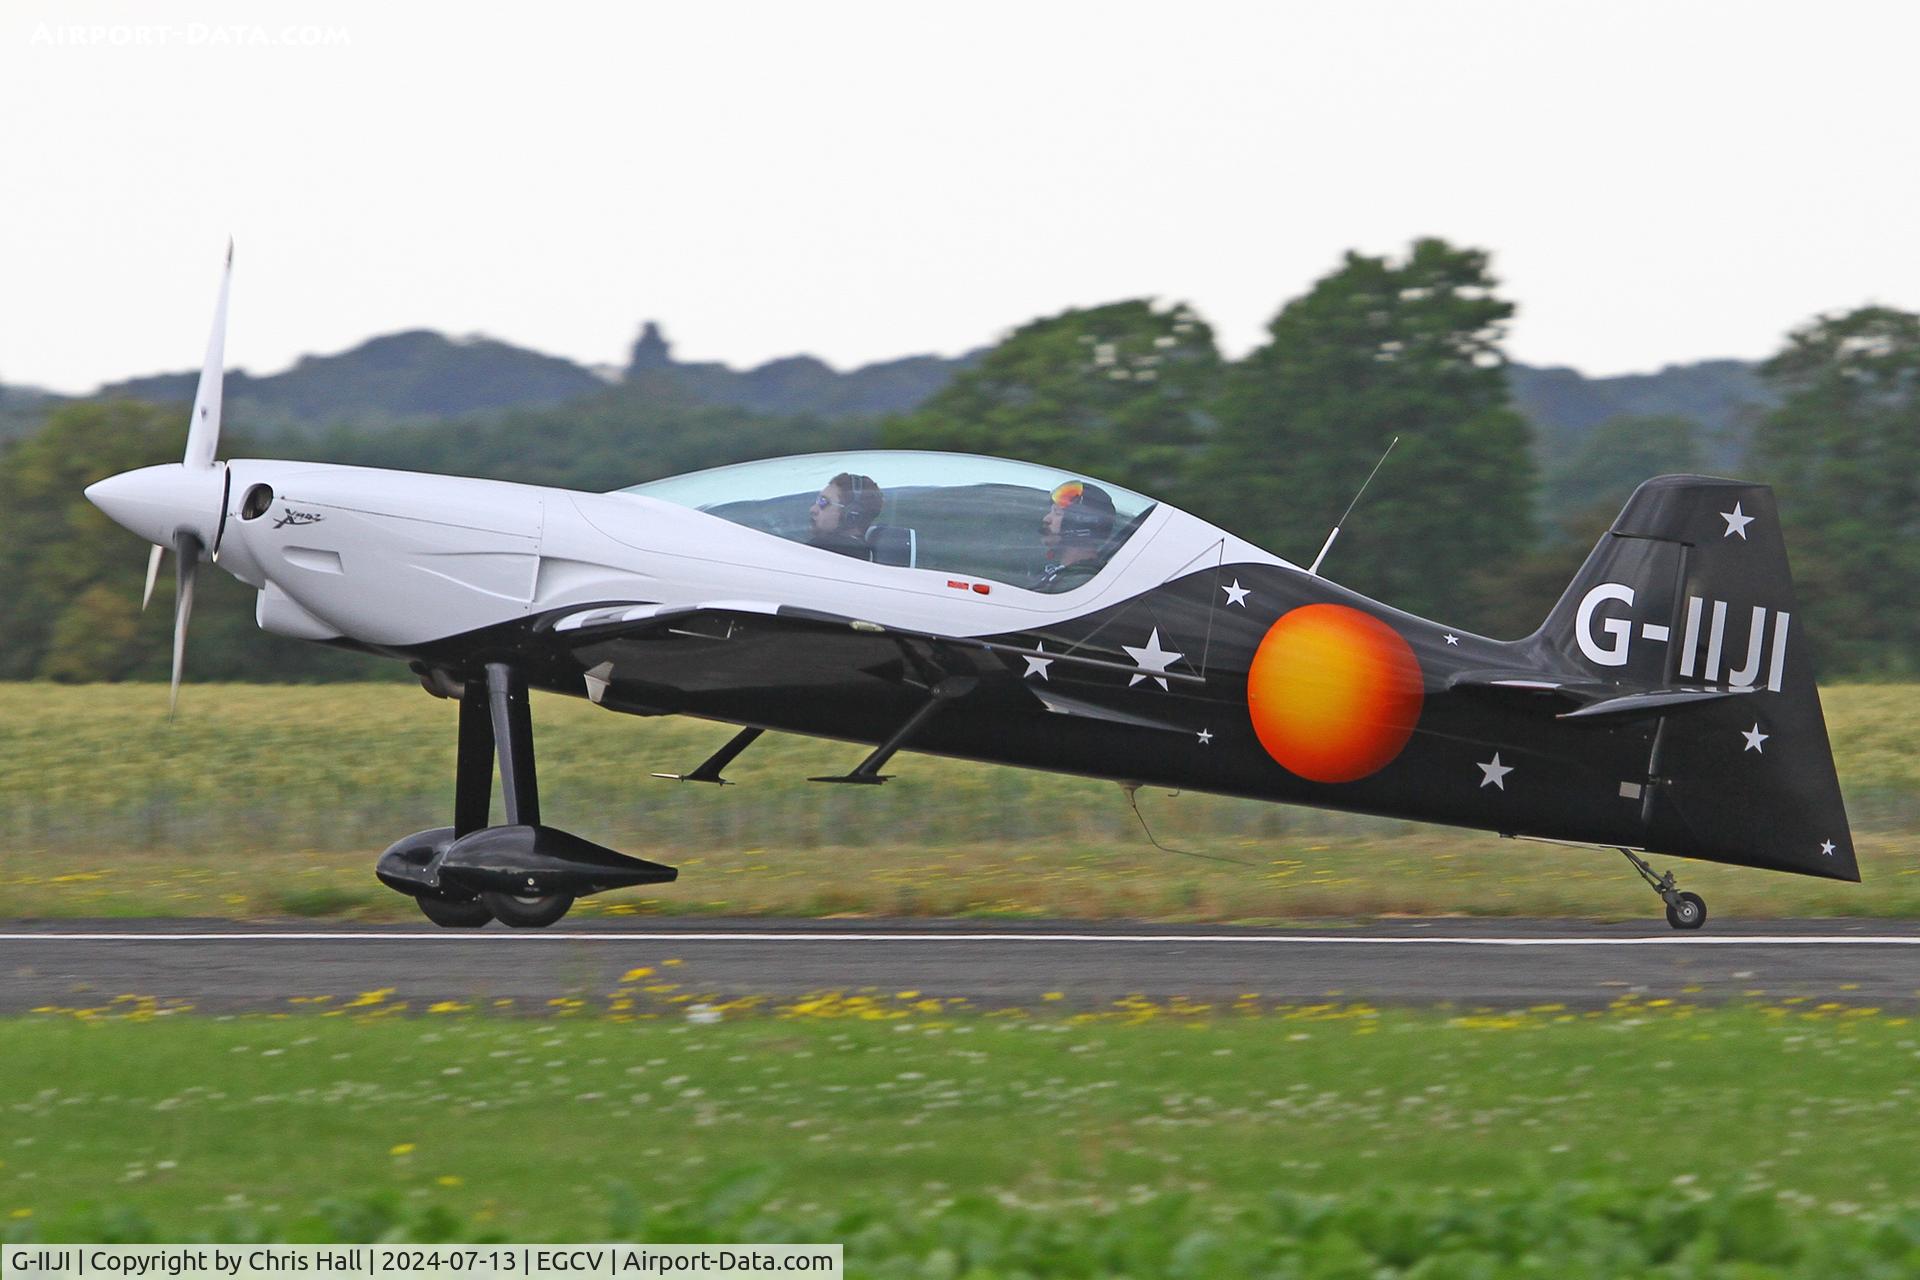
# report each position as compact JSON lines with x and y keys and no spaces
{"x":1333,"y":692}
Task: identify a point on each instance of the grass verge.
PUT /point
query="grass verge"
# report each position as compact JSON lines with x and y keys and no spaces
{"x":1146,"y":1140}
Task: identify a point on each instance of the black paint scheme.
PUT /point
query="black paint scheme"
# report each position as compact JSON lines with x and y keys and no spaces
{"x":1636,"y":754}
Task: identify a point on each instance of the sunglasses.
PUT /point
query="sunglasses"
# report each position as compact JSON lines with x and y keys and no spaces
{"x":822,"y":502}
{"x":1069,"y":493}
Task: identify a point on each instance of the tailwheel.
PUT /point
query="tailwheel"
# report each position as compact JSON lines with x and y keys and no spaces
{"x":1687,"y":911}
{"x":521,"y":912}
{"x":471,"y":914}
{"x":1684,"y":910}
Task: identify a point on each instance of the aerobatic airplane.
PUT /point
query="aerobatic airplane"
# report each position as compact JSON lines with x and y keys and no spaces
{"x":1014,"y":613}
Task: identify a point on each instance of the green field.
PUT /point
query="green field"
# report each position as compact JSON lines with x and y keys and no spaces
{"x":271,"y":801}
{"x":1147,"y":1140}
{"x":933,"y":1140}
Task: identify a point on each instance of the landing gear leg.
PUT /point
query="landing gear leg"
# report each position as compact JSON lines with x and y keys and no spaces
{"x":511,"y":716}
{"x":472,"y":796}
{"x":523,"y":874}
{"x":1684,"y":910}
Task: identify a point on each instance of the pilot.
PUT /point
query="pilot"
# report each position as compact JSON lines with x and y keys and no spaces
{"x":1073,"y":533}
{"x":842,"y":514}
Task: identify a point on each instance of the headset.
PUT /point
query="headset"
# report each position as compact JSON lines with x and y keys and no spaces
{"x":864,"y":500}
{"x":1086,"y":511}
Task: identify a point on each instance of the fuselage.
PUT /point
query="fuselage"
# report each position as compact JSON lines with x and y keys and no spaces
{"x":1191,"y":659}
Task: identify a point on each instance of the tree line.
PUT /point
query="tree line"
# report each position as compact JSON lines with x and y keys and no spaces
{"x":1465,"y":523}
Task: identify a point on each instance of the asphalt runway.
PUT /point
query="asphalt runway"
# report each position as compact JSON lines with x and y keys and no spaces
{"x":220,"y":966}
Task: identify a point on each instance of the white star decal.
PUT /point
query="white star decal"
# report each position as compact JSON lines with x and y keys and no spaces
{"x":1206,"y":736}
{"x":1037,"y":666}
{"x":1153,"y":660}
{"x":1736,"y":522}
{"x":1451,"y":639}
{"x":1754,"y":738}
{"x":1494,"y":773}
{"x":1826,"y":847}
{"x":1236,"y":594}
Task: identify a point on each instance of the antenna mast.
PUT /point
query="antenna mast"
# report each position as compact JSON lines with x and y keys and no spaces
{"x":1328,"y":544}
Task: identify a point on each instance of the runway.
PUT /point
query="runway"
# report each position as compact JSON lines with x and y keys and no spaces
{"x":218,"y":966}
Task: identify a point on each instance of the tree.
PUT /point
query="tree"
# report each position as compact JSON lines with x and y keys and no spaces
{"x":1609,"y":462}
{"x":71,"y":609}
{"x":1378,"y":349}
{"x":1843,"y":452}
{"x":53,"y":544}
{"x":1119,"y":392}
{"x":1582,"y":495}
{"x":96,"y":637}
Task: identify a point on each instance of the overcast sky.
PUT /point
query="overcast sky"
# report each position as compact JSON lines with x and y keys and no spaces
{"x":1658,"y":182}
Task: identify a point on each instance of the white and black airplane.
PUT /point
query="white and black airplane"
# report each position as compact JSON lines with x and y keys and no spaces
{"x":1007,"y":612}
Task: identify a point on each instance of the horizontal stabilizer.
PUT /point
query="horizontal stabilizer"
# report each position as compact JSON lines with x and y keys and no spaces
{"x":1589,"y":700}
{"x":1535,"y":683}
{"x":1654,"y":702}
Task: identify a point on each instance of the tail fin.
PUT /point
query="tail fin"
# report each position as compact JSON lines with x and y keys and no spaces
{"x":1689,"y":593}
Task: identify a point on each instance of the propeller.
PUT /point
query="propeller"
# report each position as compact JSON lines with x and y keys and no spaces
{"x":203,"y":438}
{"x":187,"y":548}
{"x":154,"y":557}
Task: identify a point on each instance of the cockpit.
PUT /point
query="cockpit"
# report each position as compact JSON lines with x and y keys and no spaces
{"x":1012,"y":522}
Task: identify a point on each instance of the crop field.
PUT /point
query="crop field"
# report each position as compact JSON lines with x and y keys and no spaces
{"x":272,"y":801}
{"x":1164,"y":1140}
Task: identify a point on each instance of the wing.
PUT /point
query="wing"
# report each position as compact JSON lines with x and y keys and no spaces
{"x":734,"y":658}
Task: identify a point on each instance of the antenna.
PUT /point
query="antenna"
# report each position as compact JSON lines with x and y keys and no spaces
{"x":1130,"y":788}
{"x":1327,"y":546}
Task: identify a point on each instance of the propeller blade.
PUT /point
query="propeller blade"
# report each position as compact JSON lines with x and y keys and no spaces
{"x":187,"y":548}
{"x":203,"y":432}
{"x":153,"y":574}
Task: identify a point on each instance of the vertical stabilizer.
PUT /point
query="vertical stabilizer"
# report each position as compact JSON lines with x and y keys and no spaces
{"x":1690,"y":590}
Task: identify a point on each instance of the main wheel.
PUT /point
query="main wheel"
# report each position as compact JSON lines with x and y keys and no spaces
{"x":1687,"y":911}
{"x":527,"y":913}
{"x":471,"y":914}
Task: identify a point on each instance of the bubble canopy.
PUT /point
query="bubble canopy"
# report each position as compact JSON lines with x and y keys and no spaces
{"x":949,"y":512}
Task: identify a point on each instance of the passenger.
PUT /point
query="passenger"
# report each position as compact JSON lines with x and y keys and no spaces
{"x":1074,"y":532}
{"x":843,"y":513}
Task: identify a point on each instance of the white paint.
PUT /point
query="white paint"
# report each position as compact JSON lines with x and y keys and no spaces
{"x":1756,"y":636}
{"x":1691,"y":640}
{"x":1778,"y":671}
{"x":1611,"y":655}
{"x":1153,"y":660}
{"x":1715,"y":634}
{"x":401,"y":558}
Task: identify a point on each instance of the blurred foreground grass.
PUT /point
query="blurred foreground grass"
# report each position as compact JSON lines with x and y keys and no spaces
{"x":272,"y":801}
{"x":1150,"y":1140}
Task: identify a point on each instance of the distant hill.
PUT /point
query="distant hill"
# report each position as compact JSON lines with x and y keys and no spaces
{"x":21,"y":410}
{"x":417,"y":374}
{"x":421,"y":376}
{"x":793,"y":385}
{"x":1723,"y":396}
